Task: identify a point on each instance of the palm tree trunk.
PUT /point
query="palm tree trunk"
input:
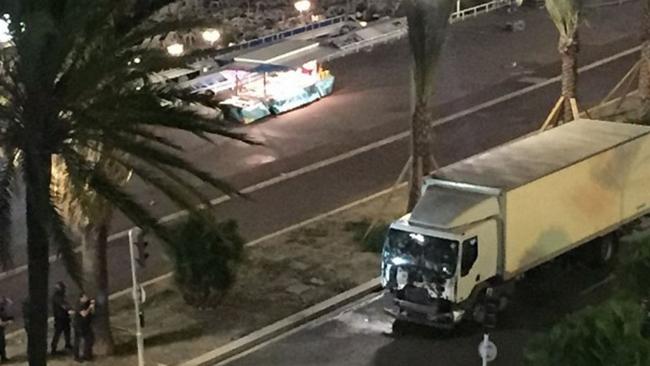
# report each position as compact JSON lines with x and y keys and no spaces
{"x":421,"y":149}
{"x":569,"y":55}
{"x":37,"y":185}
{"x":644,"y":71}
{"x":95,"y":267}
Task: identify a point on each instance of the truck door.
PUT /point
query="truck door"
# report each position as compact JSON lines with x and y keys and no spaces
{"x":478,"y":257}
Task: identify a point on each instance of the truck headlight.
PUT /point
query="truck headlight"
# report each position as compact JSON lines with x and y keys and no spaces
{"x":399,"y":261}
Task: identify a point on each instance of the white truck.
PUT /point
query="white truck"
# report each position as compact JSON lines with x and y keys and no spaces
{"x":482,"y":222}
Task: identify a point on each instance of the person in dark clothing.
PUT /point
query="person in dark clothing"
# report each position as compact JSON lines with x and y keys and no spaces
{"x":83,"y":330}
{"x":5,"y":320}
{"x":61,"y":313}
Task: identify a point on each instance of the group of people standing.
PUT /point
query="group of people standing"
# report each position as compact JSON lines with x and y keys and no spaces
{"x":80,"y":318}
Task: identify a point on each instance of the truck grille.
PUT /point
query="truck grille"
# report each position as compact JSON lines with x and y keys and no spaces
{"x":417,"y":295}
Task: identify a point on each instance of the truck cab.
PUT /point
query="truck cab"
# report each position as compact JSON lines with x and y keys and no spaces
{"x":433,"y":265}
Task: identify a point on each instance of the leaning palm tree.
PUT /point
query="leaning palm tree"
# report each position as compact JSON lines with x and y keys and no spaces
{"x":566,"y":16}
{"x":427,"y":25}
{"x":69,"y":86}
{"x":89,"y":216}
{"x":644,"y":71}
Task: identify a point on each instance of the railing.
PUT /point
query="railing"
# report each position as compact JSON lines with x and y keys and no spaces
{"x":461,"y":14}
{"x":284,"y":34}
{"x":457,"y":15}
{"x":367,"y":43}
{"x":600,"y":3}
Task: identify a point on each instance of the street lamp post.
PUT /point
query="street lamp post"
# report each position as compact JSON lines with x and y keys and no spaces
{"x":211,"y":35}
{"x":175,"y":49}
{"x":133,"y":233}
{"x":5,"y":34}
{"x":302,"y":6}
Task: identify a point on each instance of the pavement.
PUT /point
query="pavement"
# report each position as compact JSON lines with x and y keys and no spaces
{"x":368,"y":115}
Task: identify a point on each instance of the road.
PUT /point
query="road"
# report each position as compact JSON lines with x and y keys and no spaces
{"x":371,"y":102}
{"x":362,"y":335}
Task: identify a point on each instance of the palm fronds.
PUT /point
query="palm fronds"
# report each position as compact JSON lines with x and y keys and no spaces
{"x":427,"y":24}
{"x":85,"y":117}
{"x":566,"y":17}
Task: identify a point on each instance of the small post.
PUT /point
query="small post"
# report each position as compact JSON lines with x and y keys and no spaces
{"x":552,"y":116}
{"x":136,"y":298}
{"x":574,"y":108}
{"x":486,"y":339}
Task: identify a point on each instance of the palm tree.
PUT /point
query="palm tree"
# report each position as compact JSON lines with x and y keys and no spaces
{"x":566,"y":16}
{"x":89,"y":216}
{"x":70,"y":86}
{"x":644,"y":71}
{"x":427,"y":24}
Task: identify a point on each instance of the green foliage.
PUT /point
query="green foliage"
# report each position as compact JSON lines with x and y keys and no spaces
{"x":371,"y":241}
{"x":606,"y":335}
{"x":72,"y":92}
{"x":633,"y":271}
{"x":427,"y":25}
{"x":566,"y":17}
{"x":205,"y":257}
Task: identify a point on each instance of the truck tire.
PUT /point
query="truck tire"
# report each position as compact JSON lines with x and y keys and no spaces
{"x":602,"y":251}
{"x":491,"y":313}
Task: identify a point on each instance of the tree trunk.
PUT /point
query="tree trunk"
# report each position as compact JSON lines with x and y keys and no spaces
{"x":423,"y":161}
{"x":37,"y":174}
{"x":644,"y":71}
{"x":95,"y":267}
{"x":569,"y":55}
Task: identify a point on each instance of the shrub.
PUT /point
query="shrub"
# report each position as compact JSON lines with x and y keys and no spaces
{"x":607,"y":335}
{"x":205,"y":258}
{"x":633,"y":271}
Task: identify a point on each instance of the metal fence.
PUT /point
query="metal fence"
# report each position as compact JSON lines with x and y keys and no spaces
{"x":602,"y":3}
{"x":462,"y":14}
{"x":367,"y":43}
{"x":285,"y":34}
{"x":459,"y":14}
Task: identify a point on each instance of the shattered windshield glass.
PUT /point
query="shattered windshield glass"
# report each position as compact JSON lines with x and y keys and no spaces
{"x":437,"y":255}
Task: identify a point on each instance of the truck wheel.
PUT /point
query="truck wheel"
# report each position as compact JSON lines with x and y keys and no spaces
{"x":491,"y":313}
{"x":602,"y":251}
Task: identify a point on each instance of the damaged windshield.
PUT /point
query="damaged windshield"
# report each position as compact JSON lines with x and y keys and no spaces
{"x":437,"y":255}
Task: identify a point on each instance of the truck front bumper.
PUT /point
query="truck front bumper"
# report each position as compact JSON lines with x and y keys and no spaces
{"x":427,"y":315}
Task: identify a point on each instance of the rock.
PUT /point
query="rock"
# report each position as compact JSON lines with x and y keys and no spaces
{"x":298,"y":288}
{"x":316,"y":281}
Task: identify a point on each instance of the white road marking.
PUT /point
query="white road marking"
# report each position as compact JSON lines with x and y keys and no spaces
{"x":375,"y":145}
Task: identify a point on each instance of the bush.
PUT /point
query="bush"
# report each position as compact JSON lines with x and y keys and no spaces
{"x":633,"y":272}
{"x":205,"y":257}
{"x":374,"y":241}
{"x":606,"y":335}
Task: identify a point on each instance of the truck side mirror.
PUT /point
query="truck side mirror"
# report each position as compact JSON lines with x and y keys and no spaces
{"x":469,"y":255}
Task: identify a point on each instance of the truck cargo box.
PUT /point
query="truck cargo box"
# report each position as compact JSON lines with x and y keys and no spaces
{"x":558,"y":189}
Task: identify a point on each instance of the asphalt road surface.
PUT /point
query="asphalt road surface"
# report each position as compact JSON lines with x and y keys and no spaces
{"x":362,"y":334}
{"x":481,"y":62}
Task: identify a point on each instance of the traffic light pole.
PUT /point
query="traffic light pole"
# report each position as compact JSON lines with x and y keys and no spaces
{"x":136,"y":298}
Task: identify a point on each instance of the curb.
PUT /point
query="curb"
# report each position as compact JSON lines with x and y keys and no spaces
{"x":271,"y":331}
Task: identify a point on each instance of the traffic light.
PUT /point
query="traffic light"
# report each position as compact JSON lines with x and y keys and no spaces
{"x":140,"y":246}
